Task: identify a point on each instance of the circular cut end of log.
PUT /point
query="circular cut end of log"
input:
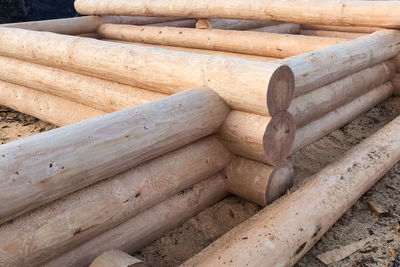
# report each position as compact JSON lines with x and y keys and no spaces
{"x":279,"y":137}
{"x":280,"y":180}
{"x":203,"y":24}
{"x":280,"y":90}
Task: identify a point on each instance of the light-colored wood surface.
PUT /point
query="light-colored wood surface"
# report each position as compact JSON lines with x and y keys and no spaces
{"x":260,"y":138}
{"x":312,"y":105}
{"x":87,"y":24}
{"x":231,"y":24}
{"x":257,"y":182}
{"x":149,"y":225}
{"x":350,"y":13}
{"x":318,"y":68}
{"x":333,"y":120}
{"x":46,"y":107}
{"x":283,"y":232}
{"x":246,"y":42}
{"x":259,"y":87}
{"x":90,"y":91}
{"x":47,"y":166}
{"x":333,"y":34}
{"x":117,"y":258}
{"x":87,"y":213}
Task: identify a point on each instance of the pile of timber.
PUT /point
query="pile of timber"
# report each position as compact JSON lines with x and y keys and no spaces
{"x":163,"y":116}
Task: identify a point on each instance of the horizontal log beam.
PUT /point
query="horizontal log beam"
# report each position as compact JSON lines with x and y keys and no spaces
{"x":246,"y":42}
{"x":260,"y":138}
{"x":379,"y":13}
{"x":147,"y":226}
{"x":340,"y":28}
{"x":285,"y":231}
{"x":35,"y":171}
{"x":313,"y":105}
{"x":257,"y":182}
{"x":86,"y":24}
{"x":333,"y":120}
{"x":89,"y":212}
{"x":259,"y":87}
{"x":333,"y":34}
{"x":319,"y":68}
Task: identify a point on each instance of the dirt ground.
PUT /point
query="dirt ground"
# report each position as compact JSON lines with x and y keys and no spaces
{"x":358,"y":223}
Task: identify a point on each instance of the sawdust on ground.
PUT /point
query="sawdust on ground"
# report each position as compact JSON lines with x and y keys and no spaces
{"x":358,"y":223}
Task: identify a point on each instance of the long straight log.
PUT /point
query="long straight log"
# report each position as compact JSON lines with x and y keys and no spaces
{"x":149,"y":225}
{"x":283,"y":232}
{"x":259,"y":87}
{"x":85,"y":24}
{"x":318,"y":68}
{"x":231,"y":24}
{"x":90,"y":91}
{"x":89,"y":212}
{"x":286,"y":28}
{"x":333,"y":34}
{"x":34,"y":170}
{"x":333,"y":120}
{"x":47,"y":107}
{"x":340,"y":28}
{"x":203,"y":51}
{"x":260,"y":138}
{"x":257,"y":182}
{"x":117,"y":258}
{"x":396,"y":84}
{"x":380,"y":13}
{"x":246,"y":42}
{"x":312,"y":105}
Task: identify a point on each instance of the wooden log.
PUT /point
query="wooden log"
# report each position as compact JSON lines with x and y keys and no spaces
{"x":340,"y":28}
{"x":49,"y":108}
{"x":318,"y":128}
{"x":203,"y":51}
{"x":260,"y":138}
{"x":90,"y":91}
{"x":246,"y":42}
{"x":80,"y":25}
{"x":89,"y":212}
{"x":334,"y":34}
{"x":318,"y":68}
{"x":184,"y":23}
{"x":312,"y":105}
{"x":231,"y":24}
{"x":380,"y":13}
{"x":149,"y":225}
{"x":34,"y":170}
{"x":117,"y":258}
{"x":257,"y":182}
{"x":396,"y":84}
{"x":283,"y":232}
{"x":259,"y":87}
{"x":396,"y":61}
{"x":286,"y":28}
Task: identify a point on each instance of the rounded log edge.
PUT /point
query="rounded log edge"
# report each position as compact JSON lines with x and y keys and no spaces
{"x":280,"y":90}
{"x":279,"y":137}
{"x":280,"y":180}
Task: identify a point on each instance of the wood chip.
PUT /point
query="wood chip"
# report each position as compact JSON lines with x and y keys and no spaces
{"x":343,"y":252}
{"x":377,"y":209}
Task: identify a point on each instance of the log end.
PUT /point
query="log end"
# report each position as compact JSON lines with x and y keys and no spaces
{"x":280,"y":90}
{"x":203,"y":24}
{"x":280,"y":180}
{"x":279,"y":137}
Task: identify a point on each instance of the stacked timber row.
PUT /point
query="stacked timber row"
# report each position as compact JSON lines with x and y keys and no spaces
{"x":90,"y":78}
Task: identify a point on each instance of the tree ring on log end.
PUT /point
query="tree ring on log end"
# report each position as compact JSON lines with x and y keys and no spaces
{"x":280,"y":90}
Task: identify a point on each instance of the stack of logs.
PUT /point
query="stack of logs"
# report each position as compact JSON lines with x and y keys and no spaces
{"x":163,"y":116}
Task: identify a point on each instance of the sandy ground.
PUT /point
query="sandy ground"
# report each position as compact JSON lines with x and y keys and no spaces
{"x":358,"y":223}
